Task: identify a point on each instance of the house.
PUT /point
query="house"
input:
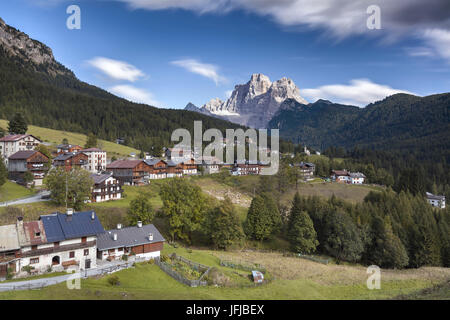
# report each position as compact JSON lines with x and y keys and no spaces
{"x":12,"y":143}
{"x":56,"y":241}
{"x":345,"y":176}
{"x":61,"y":240}
{"x":9,"y":250}
{"x":66,"y":148}
{"x":243,"y":169}
{"x":306,"y":151}
{"x":28,"y":160}
{"x":189,"y":167}
{"x":96,"y":159}
{"x":106,"y":187}
{"x":130,"y":172}
{"x":179,"y":154}
{"x":174,"y":169}
{"x":71,"y":160}
{"x":340,"y":176}
{"x":436,"y":201}
{"x":144,"y":241}
{"x":158,"y":168}
{"x":306,"y":169}
{"x":356,"y":177}
{"x":210,"y":164}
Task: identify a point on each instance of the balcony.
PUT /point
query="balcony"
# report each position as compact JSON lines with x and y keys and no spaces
{"x":69,"y":247}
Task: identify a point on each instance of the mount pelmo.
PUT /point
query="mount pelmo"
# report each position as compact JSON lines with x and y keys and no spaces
{"x":255,"y":103}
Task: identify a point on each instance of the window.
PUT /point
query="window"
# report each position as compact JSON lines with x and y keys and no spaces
{"x":86,"y":252}
{"x":120,"y":249}
{"x":33,"y":247}
{"x":56,"y":244}
{"x":83,"y":240}
{"x":72,"y":254}
{"x":34,"y":260}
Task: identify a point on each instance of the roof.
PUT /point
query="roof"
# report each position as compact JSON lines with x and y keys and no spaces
{"x":340,"y":172}
{"x":356,"y":175}
{"x":435,"y":197}
{"x":123,"y":164}
{"x":32,"y":233}
{"x":67,"y":146}
{"x":16,"y":137}
{"x":128,"y":237}
{"x":65,"y":156}
{"x":60,"y":226}
{"x":152,"y":162}
{"x":22,"y":155}
{"x":8,"y":238}
{"x":100,"y":177}
{"x":92,"y":150}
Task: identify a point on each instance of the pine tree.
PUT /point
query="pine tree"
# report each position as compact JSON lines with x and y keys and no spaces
{"x":301,"y":233}
{"x":91,"y":141}
{"x":259,"y":224}
{"x":17,"y":125}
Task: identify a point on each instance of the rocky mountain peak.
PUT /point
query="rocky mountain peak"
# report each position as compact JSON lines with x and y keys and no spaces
{"x":255,"y":102}
{"x":17,"y":43}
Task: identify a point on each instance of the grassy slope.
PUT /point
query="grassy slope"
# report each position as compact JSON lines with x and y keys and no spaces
{"x":56,"y":136}
{"x":293,"y":278}
{"x":11,"y":191}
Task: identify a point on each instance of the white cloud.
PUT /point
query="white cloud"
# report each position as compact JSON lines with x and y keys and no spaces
{"x":134,"y":94}
{"x":206,"y":70}
{"x":117,"y":70}
{"x":439,"y":41}
{"x":359,"y":92}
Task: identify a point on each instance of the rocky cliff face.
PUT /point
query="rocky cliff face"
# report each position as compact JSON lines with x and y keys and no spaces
{"x":255,"y":103}
{"x":17,"y":43}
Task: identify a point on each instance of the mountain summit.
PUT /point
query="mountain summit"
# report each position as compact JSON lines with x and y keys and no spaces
{"x":18,"y":44}
{"x":255,"y":103}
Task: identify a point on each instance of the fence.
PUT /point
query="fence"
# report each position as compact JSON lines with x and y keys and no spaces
{"x":45,"y":282}
{"x":243,"y":266}
{"x":312,"y":258}
{"x":197,"y":266}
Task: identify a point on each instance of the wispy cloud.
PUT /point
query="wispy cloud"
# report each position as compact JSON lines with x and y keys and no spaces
{"x":117,"y":70}
{"x":439,"y":41}
{"x":135,"y":94}
{"x":204,"y":69}
{"x":359,"y":92}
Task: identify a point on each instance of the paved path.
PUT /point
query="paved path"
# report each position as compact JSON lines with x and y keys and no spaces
{"x":35,"y":198}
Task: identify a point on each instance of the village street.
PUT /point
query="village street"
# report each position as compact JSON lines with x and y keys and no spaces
{"x":35,"y":198}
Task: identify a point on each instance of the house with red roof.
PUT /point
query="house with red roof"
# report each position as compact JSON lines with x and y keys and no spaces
{"x":12,"y":143}
{"x":28,"y":160}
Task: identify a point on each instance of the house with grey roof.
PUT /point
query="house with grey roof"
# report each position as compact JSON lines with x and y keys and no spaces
{"x":106,"y":187}
{"x":144,"y":241}
{"x":435,"y":200}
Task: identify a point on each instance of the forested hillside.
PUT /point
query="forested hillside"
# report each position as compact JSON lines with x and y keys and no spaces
{"x":63,"y":102}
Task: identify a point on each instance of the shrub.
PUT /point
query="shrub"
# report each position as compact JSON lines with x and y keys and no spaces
{"x":27,"y":269}
{"x":114,"y":280}
{"x":125,"y":257}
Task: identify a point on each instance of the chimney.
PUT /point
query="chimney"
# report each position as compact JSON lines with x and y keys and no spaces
{"x":139,"y":224}
{"x":119,"y":226}
{"x":93,"y":215}
{"x":19,"y":221}
{"x":150,"y":237}
{"x":115,"y":236}
{"x":69,"y":211}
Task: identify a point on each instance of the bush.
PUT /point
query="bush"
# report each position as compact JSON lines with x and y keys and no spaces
{"x":216,"y":277}
{"x":151,"y":261}
{"x":164,"y":258}
{"x":125,"y":257}
{"x":27,"y":269}
{"x":114,"y":280}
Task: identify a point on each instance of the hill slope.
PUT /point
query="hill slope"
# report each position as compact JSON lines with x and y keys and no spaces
{"x":400,"y":122}
{"x":49,"y":95}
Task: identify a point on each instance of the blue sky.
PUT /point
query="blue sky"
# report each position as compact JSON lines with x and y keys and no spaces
{"x":171,"y":52}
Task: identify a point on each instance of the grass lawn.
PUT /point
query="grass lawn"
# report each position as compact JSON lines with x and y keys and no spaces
{"x":56,"y":136}
{"x":293,"y":278}
{"x":11,"y":190}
